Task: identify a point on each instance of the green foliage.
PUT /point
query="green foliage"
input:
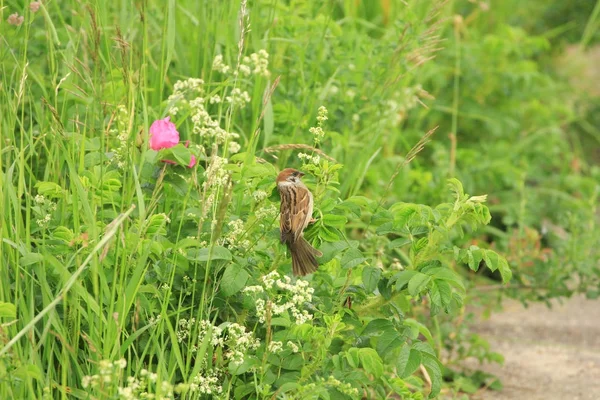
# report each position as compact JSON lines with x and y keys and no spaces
{"x":126,"y":271}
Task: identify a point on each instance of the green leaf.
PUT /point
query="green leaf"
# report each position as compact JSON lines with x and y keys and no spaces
{"x":456,"y":187}
{"x":337,"y":221}
{"x":408,"y":361}
{"x":49,"y":189}
{"x":8,"y":310}
{"x":446,"y":274}
{"x":371,"y":361}
{"x":444,"y":290}
{"x":182,"y":154}
{"x":328,"y":234}
{"x":494,"y":261}
{"x":218,"y":253}
{"x":388,"y":341}
{"x":332,"y":249}
{"x":417,"y":283}
{"x":376,"y":326}
{"x":420,"y":328}
{"x":402,"y":278}
{"x":352,"y":357}
{"x":432,"y":366}
{"x":399,"y":242}
{"x":27,"y":371}
{"x":370,"y":277}
{"x":234,"y":279}
{"x":30,"y":259}
{"x":352,"y":258}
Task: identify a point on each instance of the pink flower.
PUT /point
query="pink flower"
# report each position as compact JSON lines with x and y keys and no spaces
{"x":34,"y":6}
{"x":163,"y":134}
{"x":15,"y":19}
{"x":192,"y":162}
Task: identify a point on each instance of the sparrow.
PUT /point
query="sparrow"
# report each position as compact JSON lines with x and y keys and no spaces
{"x":295,"y":215}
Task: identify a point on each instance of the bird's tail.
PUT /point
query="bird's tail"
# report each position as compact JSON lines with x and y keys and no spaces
{"x":303,"y":257}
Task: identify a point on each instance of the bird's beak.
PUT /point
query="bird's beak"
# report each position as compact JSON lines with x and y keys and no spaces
{"x":301,"y":174}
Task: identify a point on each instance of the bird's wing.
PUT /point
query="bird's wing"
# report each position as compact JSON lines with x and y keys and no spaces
{"x":294,"y":209}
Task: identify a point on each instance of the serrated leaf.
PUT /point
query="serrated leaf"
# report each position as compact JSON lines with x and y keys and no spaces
{"x":443,"y":273}
{"x":204,"y":254}
{"x":494,"y":261}
{"x":337,"y":221}
{"x":385,"y":228}
{"x":370,"y":277}
{"x":182,"y":154}
{"x":352,"y":357}
{"x":417,"y":328}
{"x":411,"y":360}
{"x":332,"y":249}
{"x":417,"y":283}
{"x":327,"y":234}
{"x":352,"y":258}
{"x":445,"y":291}
{"x":371,"y":361}
{"x":432,"y":366}
{"x":388,"y":341}
{"x":49,"y":189}
{"x":233,"y":280}
{"x":377,"y":326}
{"x":402,"y":278}
{"x":399,"y":242}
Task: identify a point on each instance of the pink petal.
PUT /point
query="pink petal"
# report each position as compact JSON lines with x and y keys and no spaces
{"x":192,"y":162}
{"x":163,"y":134}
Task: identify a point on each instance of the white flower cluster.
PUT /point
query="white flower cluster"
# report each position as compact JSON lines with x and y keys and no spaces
{"x":322,"y":114}
{"x":239,"y":342}
{"x":121,"y":131}
{"x":184,"y":328}
{"x":189,"y":95}
{"x":344,"y":388}
{"x":256,"y":63}
{"x":282,"y":297}
{"x":259,"y":195}
{"x":219,"y":66}
{"x":317,"y":131}
{"x":233,"y":338}
{"x":293,"y":346}
{"x":107,"y":372}
{"x":206,"y":383}
{"x":216,"y":175}
{"x":205,"y":126}
{"x":238,"y":97}
{"x":275,"y":347}
{"x":216,"y":338}
{"x":42,"y":210}
{"x":307,"y":158}
{"x":267,"y":212}
{"x":259,"y":63}
{"x":235,"y":234}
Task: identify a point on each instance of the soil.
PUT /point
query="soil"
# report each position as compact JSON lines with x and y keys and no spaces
{"x":550,"y":353}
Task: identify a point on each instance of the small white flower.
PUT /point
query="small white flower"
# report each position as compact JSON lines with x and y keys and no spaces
{"x":275,"y":347}
{"x":293,"y":346}
{"x":219,"y":66}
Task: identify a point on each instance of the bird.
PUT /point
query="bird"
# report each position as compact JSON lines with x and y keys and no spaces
{"x":295,"y":215}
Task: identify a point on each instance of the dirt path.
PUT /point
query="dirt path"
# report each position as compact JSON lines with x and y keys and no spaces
{"x":550,"y":354}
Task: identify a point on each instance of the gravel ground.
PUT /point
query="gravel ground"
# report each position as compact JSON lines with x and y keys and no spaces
{"x":550,"y":354}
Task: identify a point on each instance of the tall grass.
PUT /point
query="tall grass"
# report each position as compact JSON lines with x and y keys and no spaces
{"x":105,"y":250}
